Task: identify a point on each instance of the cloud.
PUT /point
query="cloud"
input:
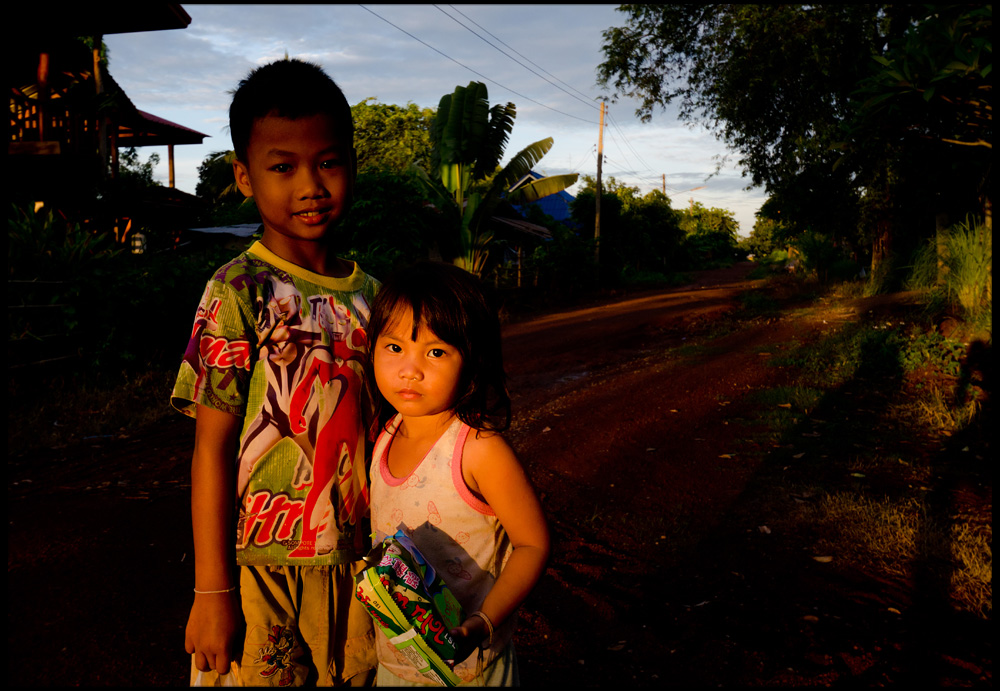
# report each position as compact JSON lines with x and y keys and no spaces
{"x":185,"y":76}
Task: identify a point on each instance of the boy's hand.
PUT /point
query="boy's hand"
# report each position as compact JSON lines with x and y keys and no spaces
{"x":469,"y":636}
{"x":214,"y":617}
{"x":211,"y":631}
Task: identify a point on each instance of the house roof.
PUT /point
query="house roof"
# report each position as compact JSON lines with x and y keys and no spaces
{"x":524,"y":226}
{"x":54,"y":33}
{"x":555,"y":205}
{"x":152,"y":130}
{"x":92,"y":18}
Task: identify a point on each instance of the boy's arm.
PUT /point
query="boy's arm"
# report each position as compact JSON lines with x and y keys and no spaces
{"x":499,"y":478}
{"x":214,"y":617}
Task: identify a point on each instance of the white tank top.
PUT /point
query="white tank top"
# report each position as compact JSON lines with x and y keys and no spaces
{"x":457,"y":533}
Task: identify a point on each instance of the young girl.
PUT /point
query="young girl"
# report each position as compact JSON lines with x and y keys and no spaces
{"x":440,"y":470}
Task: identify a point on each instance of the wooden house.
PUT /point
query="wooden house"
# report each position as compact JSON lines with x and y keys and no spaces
{"x":69,"y":118}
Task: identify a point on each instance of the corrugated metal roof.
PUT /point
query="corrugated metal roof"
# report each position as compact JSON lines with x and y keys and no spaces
{"x":243,"y":230}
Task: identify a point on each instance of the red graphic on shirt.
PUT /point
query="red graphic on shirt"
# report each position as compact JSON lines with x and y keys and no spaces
{"x":312,"y":355}
{"x":271,"y":517}
{"x":337,"y":440}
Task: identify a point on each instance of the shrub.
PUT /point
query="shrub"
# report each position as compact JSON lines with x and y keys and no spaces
{"x":968,"y":271}
{"x":956,"y":268}
{"x":818,"y":253}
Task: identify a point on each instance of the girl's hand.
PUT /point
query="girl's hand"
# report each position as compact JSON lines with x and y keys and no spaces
{"x":470,"y":635}
{"x":491,"y":471}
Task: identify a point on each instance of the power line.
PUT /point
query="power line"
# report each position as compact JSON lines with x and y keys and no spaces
{"x":555,"y":110}
{"x":588,"y":103}
{"x":636,"y":171}
{"x":614,"y":122}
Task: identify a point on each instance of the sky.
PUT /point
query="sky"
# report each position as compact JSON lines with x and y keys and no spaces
{"x":543,"y":58}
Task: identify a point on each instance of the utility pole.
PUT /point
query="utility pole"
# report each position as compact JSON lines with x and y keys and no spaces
{"x":664,"y":184}
{"x":597,"y":201}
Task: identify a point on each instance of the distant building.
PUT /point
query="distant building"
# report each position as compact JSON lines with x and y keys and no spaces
{"x":69,"y":118}
{"x":555,"y":205}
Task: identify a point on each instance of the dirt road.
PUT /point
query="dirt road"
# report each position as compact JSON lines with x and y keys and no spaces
{"x":657,"y":576}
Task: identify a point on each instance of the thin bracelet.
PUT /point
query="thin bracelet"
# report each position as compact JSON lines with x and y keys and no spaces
{"x":214,"y":592}
{"x":489,"y":625}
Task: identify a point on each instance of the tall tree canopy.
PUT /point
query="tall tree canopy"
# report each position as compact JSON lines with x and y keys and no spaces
{"x":792,"y":88}
{"x":772,"y":81}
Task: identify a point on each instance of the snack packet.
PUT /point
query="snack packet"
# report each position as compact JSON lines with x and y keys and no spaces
{"x":412,"y":606}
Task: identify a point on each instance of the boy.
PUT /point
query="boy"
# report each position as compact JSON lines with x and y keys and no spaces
{"x":273,"y":374}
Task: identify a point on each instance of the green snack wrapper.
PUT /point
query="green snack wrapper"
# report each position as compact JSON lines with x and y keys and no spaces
{"x":412,"y":606}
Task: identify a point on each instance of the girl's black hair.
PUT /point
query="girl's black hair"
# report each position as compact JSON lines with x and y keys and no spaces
{"x":451,"y":302}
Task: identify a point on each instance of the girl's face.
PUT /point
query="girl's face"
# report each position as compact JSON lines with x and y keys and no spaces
{"x":418,"y":378}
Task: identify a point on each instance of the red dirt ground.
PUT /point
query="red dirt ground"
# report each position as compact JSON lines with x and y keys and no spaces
{"x":660,"y":573}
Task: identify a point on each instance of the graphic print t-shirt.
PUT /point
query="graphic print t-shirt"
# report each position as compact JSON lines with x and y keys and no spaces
{"x":285,"y":349}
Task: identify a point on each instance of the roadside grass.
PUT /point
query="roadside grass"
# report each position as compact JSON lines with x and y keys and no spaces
{"x":937,"y":409}
{"x":863,"y":436}
{"x":69,"y":410}
{"x":896,"y":536}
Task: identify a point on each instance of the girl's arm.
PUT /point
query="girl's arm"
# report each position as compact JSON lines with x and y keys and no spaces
{"x":492,"y":471}
{"x":214,"y":618}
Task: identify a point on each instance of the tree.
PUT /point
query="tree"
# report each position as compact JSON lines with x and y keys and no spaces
{"x":791,"y":89}
{"x":640,"y":233}
{"x":772,"y":81}
{"x":927,"y":105}
{"x":391,"y":137}
{"x":767,"y":236}
{"x":657,"y":236}
{"x":215,"y":178}
{"x":701,"y":220}
{"x":134,"y":174}
{"x":383,"y":236}
{"x":217,"y":186}
{"x":469,"y":139}
{"x":710,"y":234}
{"x":935,"y":81}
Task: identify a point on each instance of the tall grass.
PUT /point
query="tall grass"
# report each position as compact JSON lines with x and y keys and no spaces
{"x":957,"y":269}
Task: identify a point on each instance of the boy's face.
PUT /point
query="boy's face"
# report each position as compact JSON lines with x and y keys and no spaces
{"x":301,"y":175}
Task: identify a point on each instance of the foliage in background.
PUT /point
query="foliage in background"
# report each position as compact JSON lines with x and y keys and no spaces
{"x":956,"y":268}
{"x":935,"y":80}
{"x":817,"y":253}
{"x":110,"y":302}
{"x":565,"y":264}
{"x":771,"y":80}
{"x":862,"y":122}
{"x":101,"y":333}
{"x":133,"y":172}
{"x":216,"y":181}
{"x":641,"y":235}
{"x":388,"y":224}
{"x":44,"y":245}
{"x":391,"y":137}
{"x":469,"y":139}
{"x":766,"y":236}
{"x":217,"y":186}
{"x":710,"y":236}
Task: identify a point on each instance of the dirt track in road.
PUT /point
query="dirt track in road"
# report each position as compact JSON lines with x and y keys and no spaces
{"x":653,"y":579}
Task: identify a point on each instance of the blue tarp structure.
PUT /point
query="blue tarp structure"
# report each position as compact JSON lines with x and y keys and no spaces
{"x":555,"y":205}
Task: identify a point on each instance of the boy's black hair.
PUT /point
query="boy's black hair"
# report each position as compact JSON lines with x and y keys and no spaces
{"x":288,"y":88}
{"x":451,"y":302}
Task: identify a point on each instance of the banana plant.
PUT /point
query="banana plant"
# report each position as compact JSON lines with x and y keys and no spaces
{"x":469,"y":139}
